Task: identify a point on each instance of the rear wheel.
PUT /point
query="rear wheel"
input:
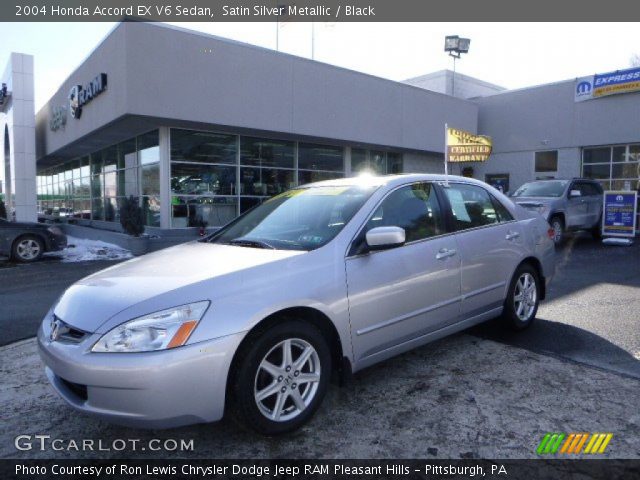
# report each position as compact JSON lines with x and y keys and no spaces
{"x":521,"y":304}
{"x":557,"y":225}
{"x":281,"y":379}
{"x":596,"y":230}
{"x":28,"y":248}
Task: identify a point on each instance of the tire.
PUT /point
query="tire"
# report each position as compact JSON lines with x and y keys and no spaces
{"x":27,"y":248}
{"x":596,"y":230}
{"x":261,"y":368}
{"x":557,"y":224}
{"x":520,"y":314}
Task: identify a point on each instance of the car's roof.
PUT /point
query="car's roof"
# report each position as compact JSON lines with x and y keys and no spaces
{"x":390,"y":180}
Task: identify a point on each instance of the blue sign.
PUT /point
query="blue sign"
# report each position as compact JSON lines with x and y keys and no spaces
{"x":619,"y":215}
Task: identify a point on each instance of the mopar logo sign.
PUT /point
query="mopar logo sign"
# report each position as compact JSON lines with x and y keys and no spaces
{"x":583,"y":89}
{"x":81,"y":95}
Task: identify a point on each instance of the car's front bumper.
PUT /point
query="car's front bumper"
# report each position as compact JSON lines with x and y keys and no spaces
{"x":169,"y":388}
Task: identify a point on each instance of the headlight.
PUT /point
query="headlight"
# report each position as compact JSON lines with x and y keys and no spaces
{"x":55,"y":230}
{"x":542,"y":209}
{"x":156,"y":331}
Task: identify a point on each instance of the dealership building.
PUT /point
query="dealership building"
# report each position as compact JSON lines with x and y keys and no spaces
{"x":201,"y":129}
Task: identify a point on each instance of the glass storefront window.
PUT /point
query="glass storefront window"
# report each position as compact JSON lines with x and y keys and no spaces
{"x":265,"y":181}
{"x":375,"y":162}
{"x":616,"y":167}
{"x":151,"y":179}
{"x":310,"y":176}
{"x":151,"y":210}
{"x":596,"y":155}
{"x":264,"y":152}
{"x":596,"y":171}
{"x":320,"y":157}
{"x":202,"y":147}
{"x":194,"y":179}
{"x":196,"y":211}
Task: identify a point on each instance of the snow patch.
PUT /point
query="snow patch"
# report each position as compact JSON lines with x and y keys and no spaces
{"x":83,"y":250}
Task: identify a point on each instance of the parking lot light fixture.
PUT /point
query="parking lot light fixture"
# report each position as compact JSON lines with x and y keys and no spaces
{"x":455,"y":46}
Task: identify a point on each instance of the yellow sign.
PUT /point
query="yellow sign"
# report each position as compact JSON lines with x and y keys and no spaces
{"x":465,"y":147}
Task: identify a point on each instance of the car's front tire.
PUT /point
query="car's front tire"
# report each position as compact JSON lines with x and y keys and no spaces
{"x":523,"y":298}
{"x":27,"y":248}
{"x":280,"y":378}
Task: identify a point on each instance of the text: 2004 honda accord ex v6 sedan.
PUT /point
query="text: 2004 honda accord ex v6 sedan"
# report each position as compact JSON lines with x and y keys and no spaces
{"x":326,"y":278}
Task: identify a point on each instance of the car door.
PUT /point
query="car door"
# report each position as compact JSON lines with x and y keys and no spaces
{"x":402,"y":293}
{"x":591,"y":193}
{"x":577,"y":208}
{"x":490,"y":245}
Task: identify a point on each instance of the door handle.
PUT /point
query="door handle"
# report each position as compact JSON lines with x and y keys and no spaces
{"x":445,"y":253}
{"x":512,"y":235}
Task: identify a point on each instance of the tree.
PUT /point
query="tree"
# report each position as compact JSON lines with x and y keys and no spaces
{"x":3,"y":210}
{"x":132,"y":216}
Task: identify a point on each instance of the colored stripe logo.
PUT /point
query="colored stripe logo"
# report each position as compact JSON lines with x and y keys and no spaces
{"x":574,"y":443}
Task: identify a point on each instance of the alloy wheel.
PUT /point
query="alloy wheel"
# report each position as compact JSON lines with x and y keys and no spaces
{"x":525,"y":297}
{"x":28,"y":249}
{"x":287,"y":379}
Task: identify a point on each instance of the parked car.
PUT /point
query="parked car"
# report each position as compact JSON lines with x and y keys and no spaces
{"x":26,"y":242}
{"x":567,"y":205}
{"x":325,"y":279}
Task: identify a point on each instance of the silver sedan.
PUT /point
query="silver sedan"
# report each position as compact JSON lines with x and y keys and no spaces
{"x":318,"y":282}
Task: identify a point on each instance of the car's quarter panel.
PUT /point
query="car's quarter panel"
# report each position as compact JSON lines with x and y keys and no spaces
{"x":401,"y":293}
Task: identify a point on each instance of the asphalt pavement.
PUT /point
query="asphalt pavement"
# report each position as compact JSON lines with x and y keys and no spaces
{"x":28,"y":291}
{"x":592,"y":311}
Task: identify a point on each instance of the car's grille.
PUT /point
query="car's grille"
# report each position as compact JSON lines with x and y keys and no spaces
{"x":66,"y":333}
{"x":75,"y":388}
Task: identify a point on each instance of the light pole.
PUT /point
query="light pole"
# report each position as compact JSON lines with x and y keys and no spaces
{"x":455,"y":46}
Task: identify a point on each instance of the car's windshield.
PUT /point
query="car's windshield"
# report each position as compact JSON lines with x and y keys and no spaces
{"x":299,"y":219}
{"x":551,"y":188}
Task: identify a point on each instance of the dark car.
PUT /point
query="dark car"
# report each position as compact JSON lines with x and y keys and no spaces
{"x":26,"y":242}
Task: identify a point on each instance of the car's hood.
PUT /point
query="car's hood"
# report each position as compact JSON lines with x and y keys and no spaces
{"x":93,"y":300}
{"x":534,"y":201}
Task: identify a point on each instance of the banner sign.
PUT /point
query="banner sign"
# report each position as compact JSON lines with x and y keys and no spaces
{"x":603,"y":84}
{"x":465,"y":147}
{"x":619,"y":215}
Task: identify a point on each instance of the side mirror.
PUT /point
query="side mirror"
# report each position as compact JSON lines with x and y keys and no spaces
{"x":382,"y":238}
{"x":575,"y":193}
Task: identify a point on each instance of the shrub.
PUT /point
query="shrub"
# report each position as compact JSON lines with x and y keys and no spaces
{"x":132,"y":216}
{"x":3,"y":210}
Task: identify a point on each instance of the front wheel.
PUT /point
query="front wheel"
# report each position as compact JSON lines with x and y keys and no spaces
{"x":557,"y":225}
{"x":281,"y":379}
{"x":521,"y":304}
{"x":27,"y":249}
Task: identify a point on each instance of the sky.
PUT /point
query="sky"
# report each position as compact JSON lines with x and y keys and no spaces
{"x":513,"y":55}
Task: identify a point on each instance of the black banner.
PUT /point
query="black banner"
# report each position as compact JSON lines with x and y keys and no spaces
{"x":392,"y":469}
{"x":315,"y":10}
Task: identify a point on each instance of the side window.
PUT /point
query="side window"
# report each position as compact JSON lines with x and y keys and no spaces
{"x":471,"y":206}
{"x":414,"y":208}
{"x":588,"y":189}
{"x":503,"y":214}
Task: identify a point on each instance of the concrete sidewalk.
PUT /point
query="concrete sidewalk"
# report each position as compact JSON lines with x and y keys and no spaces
{"x":461,"y":397}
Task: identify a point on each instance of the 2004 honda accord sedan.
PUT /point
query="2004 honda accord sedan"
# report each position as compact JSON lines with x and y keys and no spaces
{"x":317,"y":282}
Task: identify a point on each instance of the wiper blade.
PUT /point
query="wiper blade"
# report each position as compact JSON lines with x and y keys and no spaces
{"x":252,"y":243}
